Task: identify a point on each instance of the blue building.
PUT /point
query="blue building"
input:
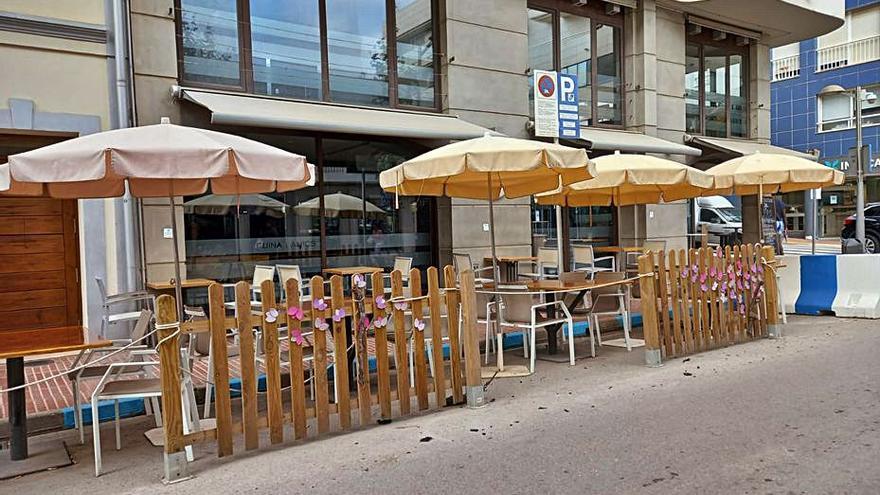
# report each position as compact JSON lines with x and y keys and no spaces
{"x":803,"y":120}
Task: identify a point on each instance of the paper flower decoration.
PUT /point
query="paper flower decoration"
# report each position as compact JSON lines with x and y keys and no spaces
{"x":271,"y":315}
{"x":380,"y":302}
{"x":400,"y":305}
{"x":419,"y":324}
{"x":684,"y":272}
{"x":319,"y":304}
{"x":715,"y":285}
{"x":380,"y":322}
{"x":296,"y":336}
{"x":338,"y":315}
{"x":712,"y":271}
{"x":295,"y":312}
{"x":704,"y":287}
{"x":321,"y":324}
{"x":357,"y":280}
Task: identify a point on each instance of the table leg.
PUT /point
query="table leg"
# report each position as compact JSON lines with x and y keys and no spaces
{"x":552,"y":330}
{"x":351,"y":353}
{"x":18,"y":445}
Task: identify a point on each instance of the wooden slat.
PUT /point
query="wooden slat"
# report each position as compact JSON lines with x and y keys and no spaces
{"x":383,"y":369}
{"x":400,"y":344}
{"x":340,"y":354}
{"x":418,"y":340}
{"x":43,"y":262}
{"x":19,"y":282}
{"x":30,"y":206}
{"x":297,"y":374}
{"x":675,"y":302}
{"x":32,"y":244}
{"x":737,"y":321}
{"x":453,"y":309}
{"x":71,"y":262}
{"x":248,"y":366}
{"x":31,"y":225}
{"x":748,"y":257}
{"x":470,"y":340}
{"x":704,"y":301}
{"x":649,"y":303}
{"x":663,"y":286}
{"x":33,"y":299}
{"x":169,"y":374}
{"x":360,"y":330}
{"x":220,"y":361}
{"x":686,"y":315}
{"x":436,"y":336}
{"x":319,"y":368}
{"x":733,"y":329}
{"x":272,"y":353}
{"x":712,"y":298}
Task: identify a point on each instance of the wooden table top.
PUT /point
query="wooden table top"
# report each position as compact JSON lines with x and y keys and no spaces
{"x":34,"y":342}
{"x":353,"y":270}
{"x":189,"y":283}
{"x":618,"y":249}
{"x":511,"y":259}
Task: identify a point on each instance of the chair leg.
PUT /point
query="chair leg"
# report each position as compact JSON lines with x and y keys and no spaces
{"x":570,"y":341}
{"x":429,"y":347}
{"x":96,"y":436}
{"x":157,"y":412}
{"x":209,"y":392}
{"x":116,"y":424}
{"x":626,"y":329}
{"x":525,"y":338}
{"x":78,"y":414}
{"x":499,"y":353}
{"x":598,"y":330}
{"x":488,"y":343}
{"x":412,"y":373}
{"x":592,"y":339}
{"x":531,"y":336}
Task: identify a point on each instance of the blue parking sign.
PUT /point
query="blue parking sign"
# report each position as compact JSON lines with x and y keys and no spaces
{"x":569,"y":118}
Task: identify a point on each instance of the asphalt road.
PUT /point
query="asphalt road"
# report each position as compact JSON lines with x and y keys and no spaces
{"x":796,"y":415}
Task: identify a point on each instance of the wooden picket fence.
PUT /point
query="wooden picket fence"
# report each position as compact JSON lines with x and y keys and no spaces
{"x":706,"y":298}
{"x":368,"y":316}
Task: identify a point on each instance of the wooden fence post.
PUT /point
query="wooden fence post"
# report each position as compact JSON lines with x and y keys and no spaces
{"x":172,"y":412}
{"x":649,"y":310}
{"x":473,"y":381}
{"x":774,"y":329}
{"x":220,"y":360}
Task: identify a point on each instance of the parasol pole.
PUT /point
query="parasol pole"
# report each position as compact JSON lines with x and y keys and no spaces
{"x":559,"y":250}
{"x":492,"y":233}
{"x":761,"y":211}
{"x":178,"y":291}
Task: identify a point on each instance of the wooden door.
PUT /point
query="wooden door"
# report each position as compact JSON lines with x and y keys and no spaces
{"x":39,"y":264}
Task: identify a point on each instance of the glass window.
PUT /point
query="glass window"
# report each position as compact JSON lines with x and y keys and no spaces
{"x":575,"y":57}
{"x":415,"y":53}
{"x":692,"y":89}
{"x":835,"y":112}
{"x":357,"y":51}
{"x":609,"y":82}
{"x":541,"y":49}
{"x":591,"y":225}
{"x":286,"y":44}
{"x":715,"y":91}
{"x":738,"y":103}
{"x":209,"y":31}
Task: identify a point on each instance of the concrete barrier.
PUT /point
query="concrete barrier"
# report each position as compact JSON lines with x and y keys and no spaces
{"x":858,"y":286}
{"x":789,"y":283}
{"x":818,"y":284}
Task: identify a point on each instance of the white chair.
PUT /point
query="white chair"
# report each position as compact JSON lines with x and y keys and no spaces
{"x":97,"y":370}
{"x":580,"y":309}
{"x":127,"y":300}
{"x":611,"y":300}
{"x":584,"y":260}
{"x":523,"y":313}
{"x":462,"y":261}
{"x":287,"y":272}
{"x":547,"y":265}
{"x":632,"y":259}
{"x":402,"y":263}
{"x":261,"y":273}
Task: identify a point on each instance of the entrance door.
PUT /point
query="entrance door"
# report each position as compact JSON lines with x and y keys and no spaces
{"x":39,"y":264}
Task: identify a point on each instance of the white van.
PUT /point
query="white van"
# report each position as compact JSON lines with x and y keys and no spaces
{"x":723,"y":221}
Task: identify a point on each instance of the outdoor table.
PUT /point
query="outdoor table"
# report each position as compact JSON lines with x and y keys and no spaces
{"x":18,"y":344}
{"x":353,"y":270}
{"x":191,"y":283}
{"x":508,"y":265}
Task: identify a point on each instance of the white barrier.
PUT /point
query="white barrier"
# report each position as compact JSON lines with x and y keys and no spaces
{"x":858,"y":286}
{"x":789,"y":281}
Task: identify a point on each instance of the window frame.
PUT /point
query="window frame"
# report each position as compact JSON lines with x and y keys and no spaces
{"x":851,"y":119}
{"x":597,"y":17}
{"x":701,"y":41}
{"x":245,"y":58}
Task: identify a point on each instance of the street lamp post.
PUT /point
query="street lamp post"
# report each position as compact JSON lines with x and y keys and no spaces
{"x":858,"y":94}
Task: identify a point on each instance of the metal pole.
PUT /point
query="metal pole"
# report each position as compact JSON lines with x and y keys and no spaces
{"x":178,"y":291}
{"x":559,"y":250}
{"x":492,"y":233}
{"x":18,"y":442}
{"x":860,"y":171}
{"x":815,"y":201}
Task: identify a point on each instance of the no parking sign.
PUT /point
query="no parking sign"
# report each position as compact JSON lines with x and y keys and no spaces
{"x":556,"y":105}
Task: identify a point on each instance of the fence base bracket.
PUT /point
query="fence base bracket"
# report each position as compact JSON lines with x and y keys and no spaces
{"x":175,"y":468}
{"x":774,"y":331}
{"x":476,"y":397}
{"x":653,"y":358}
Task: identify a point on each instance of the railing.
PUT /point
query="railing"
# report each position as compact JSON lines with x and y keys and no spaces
{"x":426,"y":323}
{"x":845,"y":54}
{"x":706,"y":298}
{"x":786,"y":67}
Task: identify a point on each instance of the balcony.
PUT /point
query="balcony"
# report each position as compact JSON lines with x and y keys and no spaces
{"x":786,"y":67}
{"x":846,"y":54}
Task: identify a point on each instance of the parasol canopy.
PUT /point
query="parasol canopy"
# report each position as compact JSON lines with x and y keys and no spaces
{"x":761,"y":173}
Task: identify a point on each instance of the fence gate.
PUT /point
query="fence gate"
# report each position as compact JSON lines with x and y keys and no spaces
{"x":706,"y":298}
{"x":308,"y":339}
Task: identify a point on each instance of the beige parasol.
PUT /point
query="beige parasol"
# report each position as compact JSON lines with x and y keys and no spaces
{"x":760,"y":173}
{"x":624,"y":179}
{"x":162,"y":160}
{"x":339,"y":205}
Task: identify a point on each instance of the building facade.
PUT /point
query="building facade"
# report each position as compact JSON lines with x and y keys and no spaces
{"x":808,"y":122}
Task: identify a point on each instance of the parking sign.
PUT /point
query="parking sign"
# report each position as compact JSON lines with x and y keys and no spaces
{"x":556,"y":105}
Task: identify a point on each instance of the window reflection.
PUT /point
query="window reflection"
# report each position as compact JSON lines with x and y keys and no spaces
{"x":286,"y":41}
{"x":738,"y":102}
{"x":540,"y":28}
{"x":714,"y":83}
{"x":608,"y":74}
{"x":575,"y":57}
{"x":692,"y":88}
{"x":357,"y":47}
{"x":210,"y":41}
{"x":415,"y":53}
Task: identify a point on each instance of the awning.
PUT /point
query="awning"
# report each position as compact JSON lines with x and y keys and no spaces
{"x":742,"y":147}
{"x":255,"y":111}
{"x":633,"y":142}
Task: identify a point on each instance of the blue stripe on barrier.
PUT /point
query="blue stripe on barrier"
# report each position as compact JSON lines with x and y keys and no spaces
{"x":127,"y":408}
{"x":818,"y":284}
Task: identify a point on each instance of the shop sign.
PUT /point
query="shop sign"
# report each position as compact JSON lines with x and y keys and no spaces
{"x":556,"y":105}
{"x":847,"y":164}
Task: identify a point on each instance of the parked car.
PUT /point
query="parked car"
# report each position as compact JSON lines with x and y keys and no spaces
{"x":872,"y":228}
{"x":723,"y":220}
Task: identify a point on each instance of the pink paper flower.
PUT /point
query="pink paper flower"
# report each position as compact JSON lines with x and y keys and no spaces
{"x":295,"y":312}
{"x":715,"y":285}
{"x":357,"y":280}
{"x":712,"y":271}
{"x":401,"y":305}
{"x":684,"y":272}
{"x":319,"y":304}
{"x":703,"y":278}
{"x":296,"y":336}
{"x":754,"y":268}
{"x":338,"y":315}
{"x":380,"y":322}
{"x":271,"y":315}
{"x":704,"y":287}
{"x":380,"y":302}
{"x":321,"y":324}
{"x":419,"y":324}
